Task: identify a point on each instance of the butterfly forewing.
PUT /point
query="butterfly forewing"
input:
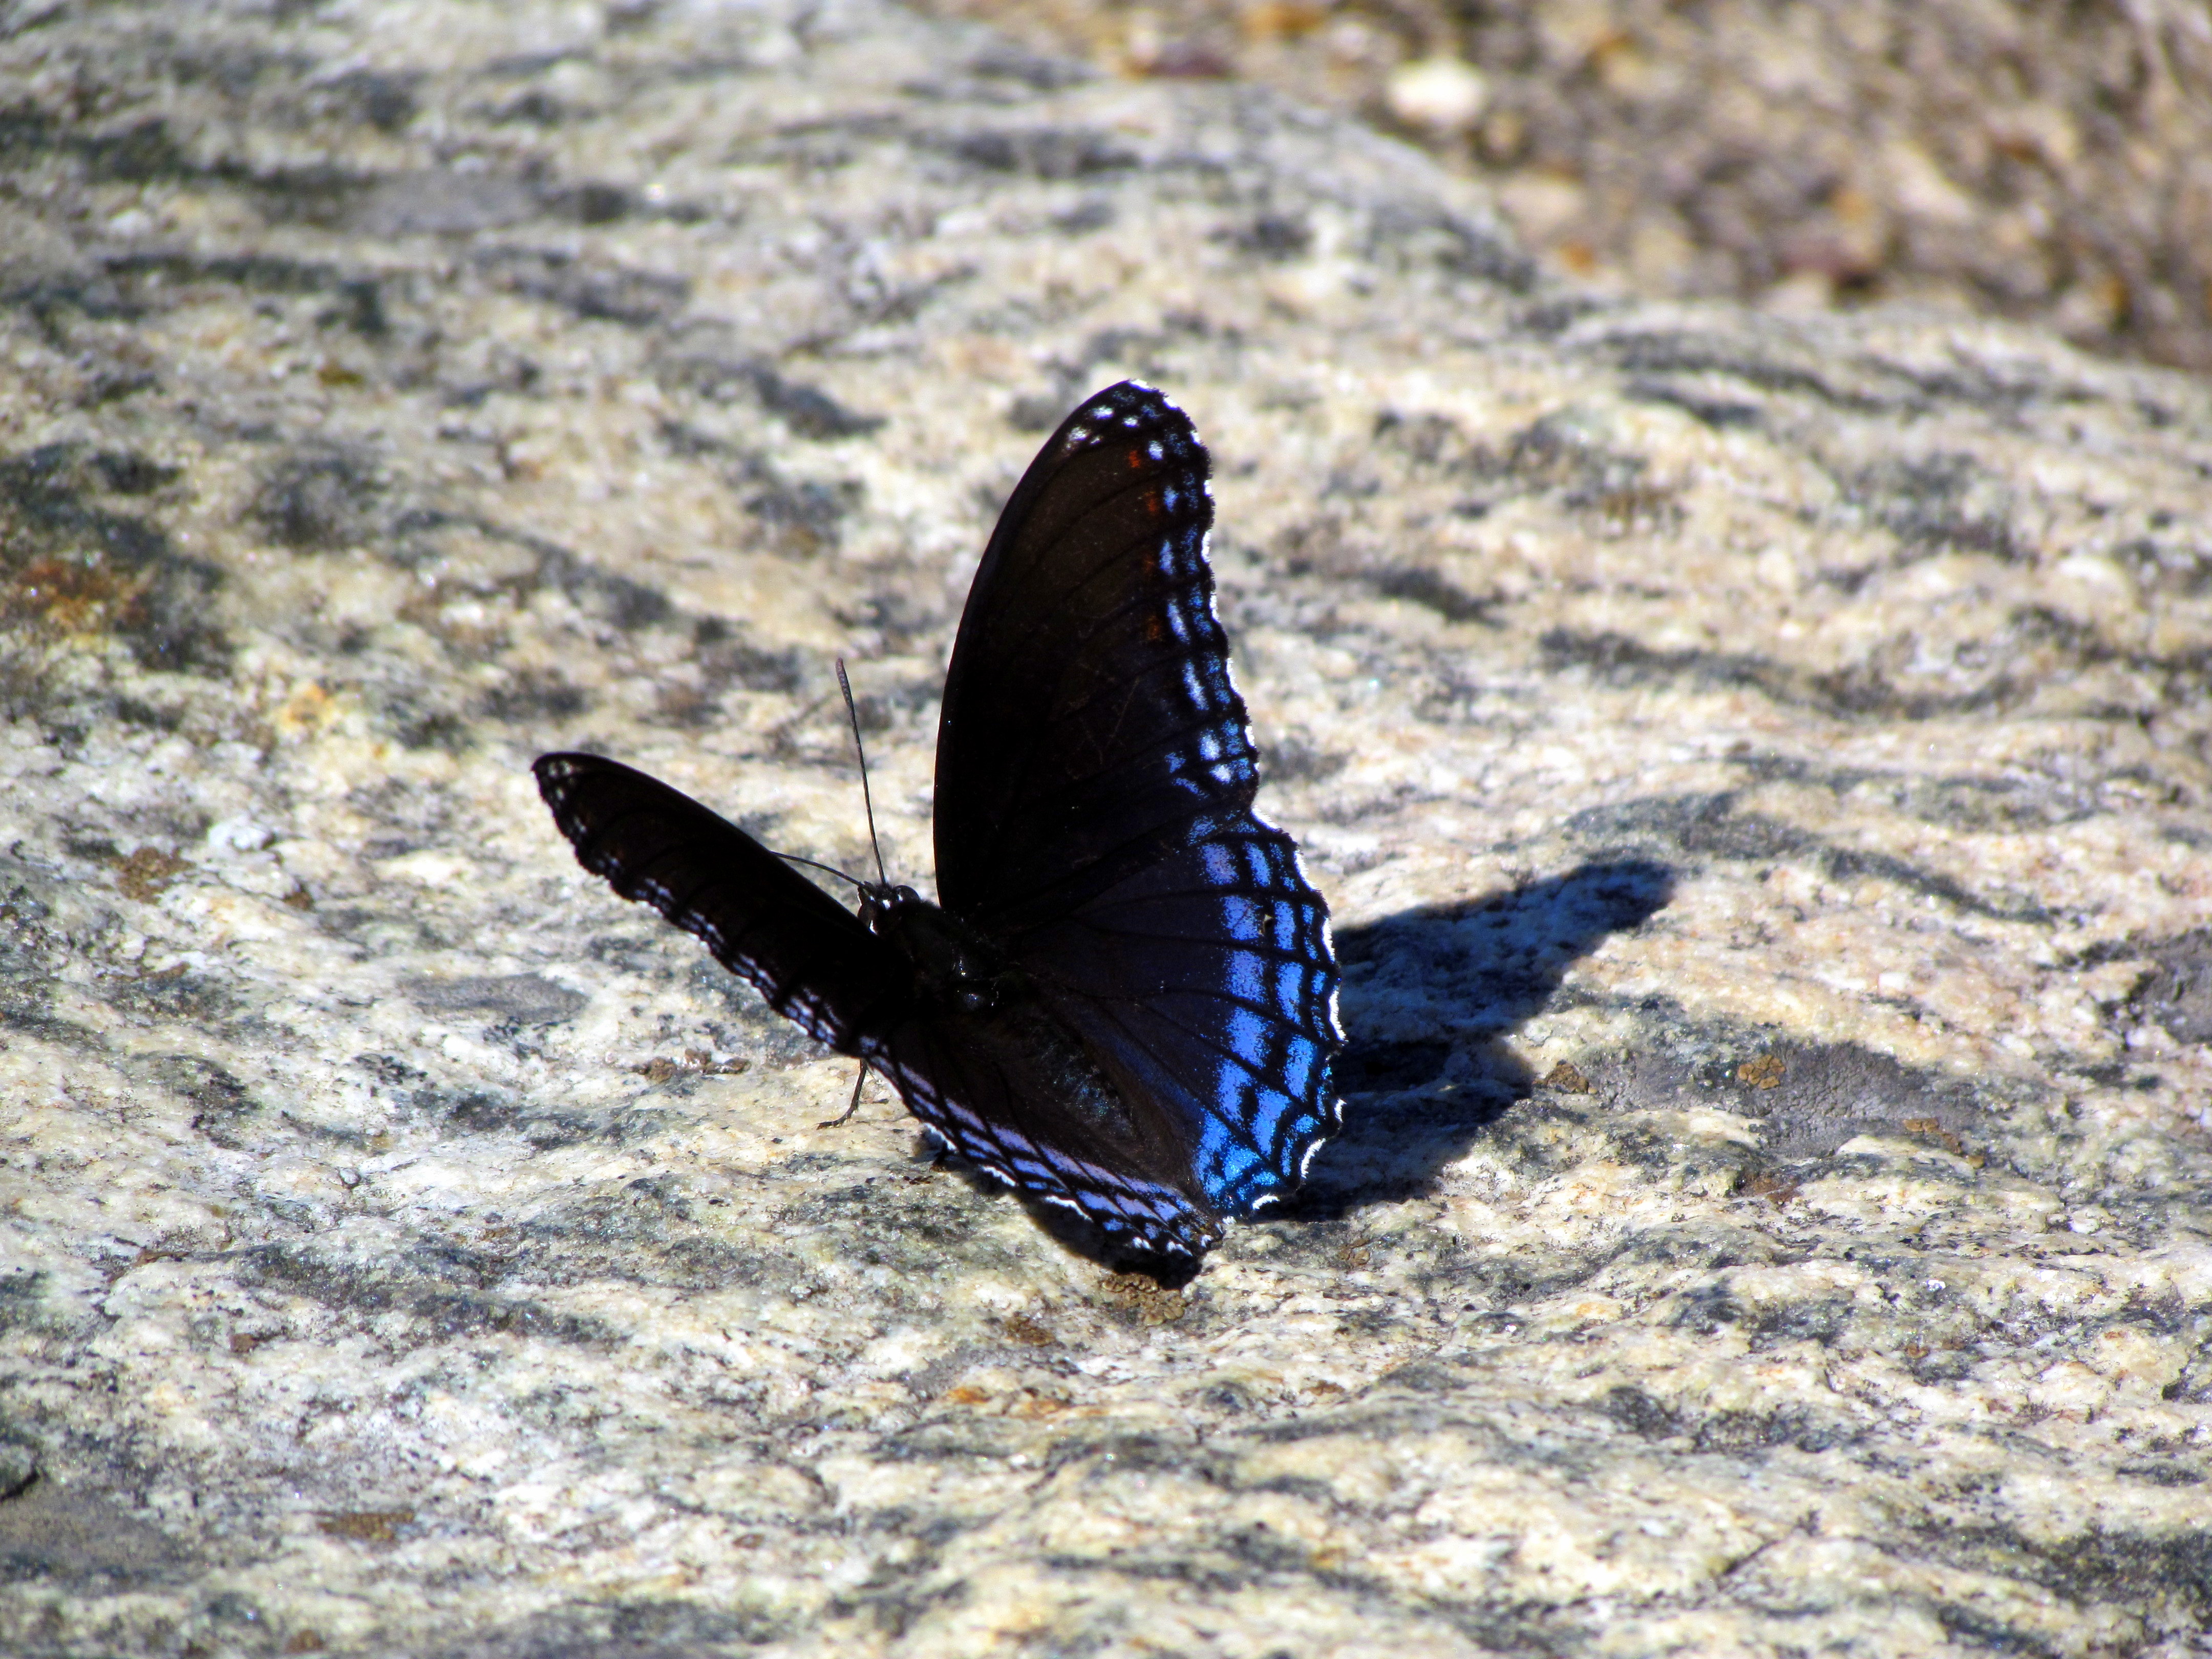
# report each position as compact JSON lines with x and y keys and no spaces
{"x":1088,"y":711}
{"x":813,"y":960}
{"x":1095,"y":778}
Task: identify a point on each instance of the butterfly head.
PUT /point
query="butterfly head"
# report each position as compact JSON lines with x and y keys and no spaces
{"x":883,"y":905}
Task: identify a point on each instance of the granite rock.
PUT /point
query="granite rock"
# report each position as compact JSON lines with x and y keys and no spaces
{"x":2048,"y":164}
{"x":1759,"y":767}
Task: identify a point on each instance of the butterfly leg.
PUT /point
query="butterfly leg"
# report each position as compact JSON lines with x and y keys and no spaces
{"x":855,"y":1106}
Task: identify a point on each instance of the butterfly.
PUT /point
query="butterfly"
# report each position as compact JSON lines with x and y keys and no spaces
{"x":1124,"y":1000}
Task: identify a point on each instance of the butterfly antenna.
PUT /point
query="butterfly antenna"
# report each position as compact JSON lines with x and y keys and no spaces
{"x":826,"y":869}
{"x":867,"y":800}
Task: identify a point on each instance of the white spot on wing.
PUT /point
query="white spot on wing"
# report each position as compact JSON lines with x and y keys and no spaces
{"x":1329,"y":946}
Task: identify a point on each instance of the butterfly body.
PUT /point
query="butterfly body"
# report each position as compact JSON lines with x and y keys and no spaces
{"x":1124,"y":1000}
{"x":985,"y":1003}
{"x":955,"y":969}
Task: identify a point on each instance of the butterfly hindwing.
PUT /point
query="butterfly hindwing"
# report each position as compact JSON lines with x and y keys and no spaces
{"x":1208,"y":979}
{"x":987,"y":1099}
{"x":813,"y":960}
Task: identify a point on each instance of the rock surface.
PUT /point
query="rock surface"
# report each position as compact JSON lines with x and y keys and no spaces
{"x":2048,"y":164}
{"x":1759,"y":767}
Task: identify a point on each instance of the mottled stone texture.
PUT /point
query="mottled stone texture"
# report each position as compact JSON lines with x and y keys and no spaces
{"x":1760,"y":768}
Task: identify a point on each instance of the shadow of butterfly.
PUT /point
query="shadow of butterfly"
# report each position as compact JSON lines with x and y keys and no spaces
{"x":1124,"y":1001}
